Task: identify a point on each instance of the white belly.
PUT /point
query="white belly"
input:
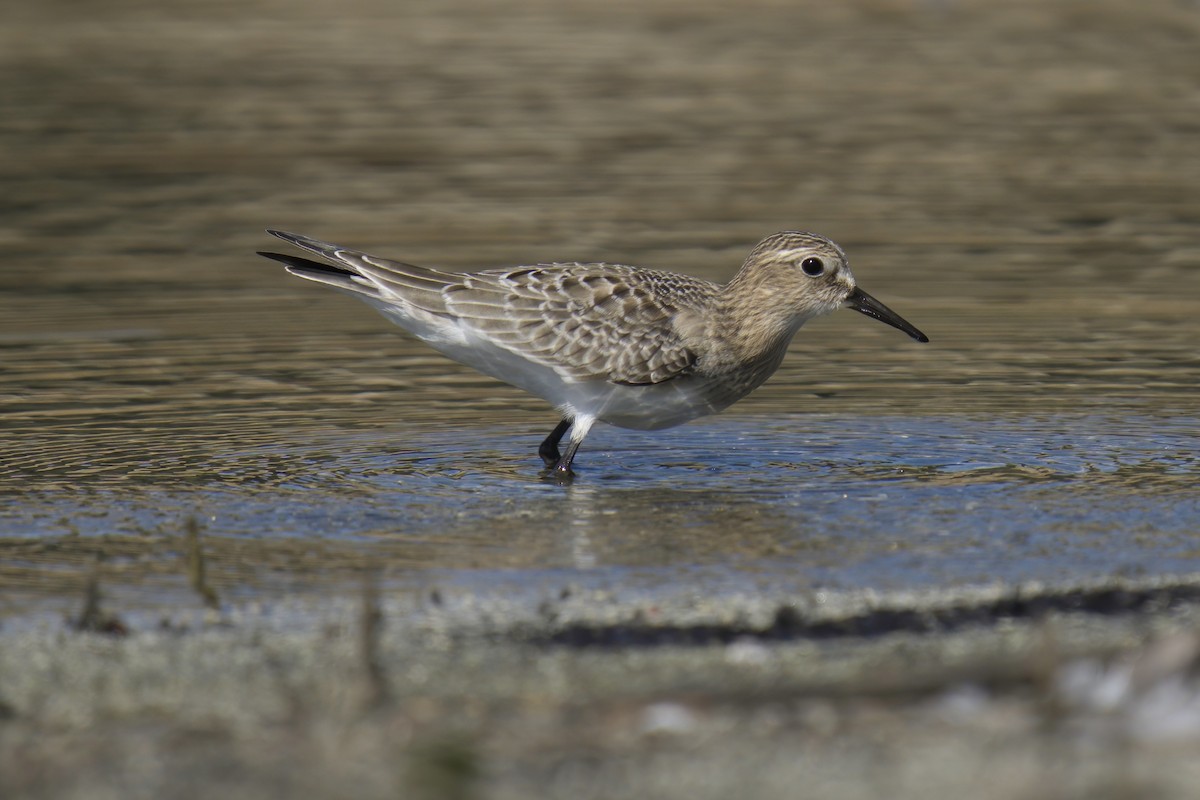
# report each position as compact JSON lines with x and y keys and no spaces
{"x":648,"y":407}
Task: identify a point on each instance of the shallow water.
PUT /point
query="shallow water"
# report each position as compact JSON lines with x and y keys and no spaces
{"x":153,"y":370}
{"x":801,"y":501}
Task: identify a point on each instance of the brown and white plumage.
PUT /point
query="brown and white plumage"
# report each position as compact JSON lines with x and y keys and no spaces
{"x":633,"y":347}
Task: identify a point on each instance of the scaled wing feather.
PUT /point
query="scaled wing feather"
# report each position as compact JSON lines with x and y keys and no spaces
{"x":555,"y":314}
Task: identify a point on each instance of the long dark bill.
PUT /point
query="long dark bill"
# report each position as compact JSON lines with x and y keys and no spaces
{"x":863,"y":303}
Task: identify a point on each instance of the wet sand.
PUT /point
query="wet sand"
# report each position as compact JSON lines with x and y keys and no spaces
{"x":893,"y":571}
{"x":995,"y":692}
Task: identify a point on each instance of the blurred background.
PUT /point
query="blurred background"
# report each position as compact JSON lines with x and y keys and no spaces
{"x":1019,"y":180}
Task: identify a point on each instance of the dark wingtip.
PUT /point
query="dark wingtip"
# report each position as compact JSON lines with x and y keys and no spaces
{"x":280,"y":257}
{"x":306,"y":265}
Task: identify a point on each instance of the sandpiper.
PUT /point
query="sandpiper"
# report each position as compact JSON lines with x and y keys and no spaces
{"x":636,"y":348}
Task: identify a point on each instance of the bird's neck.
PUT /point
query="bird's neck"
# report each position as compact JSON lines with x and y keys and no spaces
{"x":753,"y":322}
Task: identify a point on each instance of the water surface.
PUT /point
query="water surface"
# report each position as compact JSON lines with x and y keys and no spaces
{"x":1033,"y":211}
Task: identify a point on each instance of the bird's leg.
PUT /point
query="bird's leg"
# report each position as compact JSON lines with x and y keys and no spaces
{"x":561,"y":471}
{"x":549,"y":448}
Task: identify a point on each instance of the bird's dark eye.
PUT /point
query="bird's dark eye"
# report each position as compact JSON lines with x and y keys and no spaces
{"x":812,"y":266}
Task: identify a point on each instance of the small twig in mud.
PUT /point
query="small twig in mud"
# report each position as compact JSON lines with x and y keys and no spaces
{"x":197,"y":573}
{"x":93,"y":618}
{"x":371,"y":625}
